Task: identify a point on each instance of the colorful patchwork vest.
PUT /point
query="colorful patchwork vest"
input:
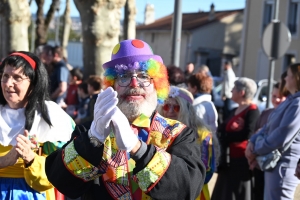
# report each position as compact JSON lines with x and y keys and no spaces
{"x":116,"y":166}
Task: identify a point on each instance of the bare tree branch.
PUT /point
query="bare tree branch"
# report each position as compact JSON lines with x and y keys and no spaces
{"x":50,"y":13}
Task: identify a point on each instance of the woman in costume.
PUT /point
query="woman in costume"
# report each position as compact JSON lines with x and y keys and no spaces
{"x":28,"y":120}
{"x":234,"y":178}
{"x":281,"y":127}
{"x":179,"y":106}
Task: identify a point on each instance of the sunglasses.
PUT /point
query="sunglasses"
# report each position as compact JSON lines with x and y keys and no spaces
{"x":167,"y":107}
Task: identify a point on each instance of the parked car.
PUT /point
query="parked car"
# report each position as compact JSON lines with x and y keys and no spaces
{"x":260,"y":97}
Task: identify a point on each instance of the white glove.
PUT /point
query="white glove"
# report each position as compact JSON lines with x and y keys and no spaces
{"x":126,"y":139}
{"x":104,"y":109}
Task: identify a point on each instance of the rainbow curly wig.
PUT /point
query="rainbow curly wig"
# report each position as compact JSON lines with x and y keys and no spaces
{"x":131,"y":55}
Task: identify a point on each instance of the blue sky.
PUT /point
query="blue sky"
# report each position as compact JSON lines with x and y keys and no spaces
{"x":162,"y":7}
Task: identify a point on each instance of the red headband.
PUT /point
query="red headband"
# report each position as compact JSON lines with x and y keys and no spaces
{"x":27,"y":58}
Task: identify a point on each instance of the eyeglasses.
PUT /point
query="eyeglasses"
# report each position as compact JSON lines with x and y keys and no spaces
{"x":167,"y":107}
{"x":143,"y":79}
{"x":15,"y":79}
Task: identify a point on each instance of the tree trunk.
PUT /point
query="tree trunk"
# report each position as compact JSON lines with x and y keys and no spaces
{"x":129,"y":20}
{"x":41,"y":35}
{"x":67,"y":22}
{"x":4,"y":33}
{"x":42,"y":23}
{"x":100,"y":30}
{"x":15,"y":20}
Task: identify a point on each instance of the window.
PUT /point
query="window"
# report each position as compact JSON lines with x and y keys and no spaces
{"x":152,"y":37}
{"x":293,"y":15}
{"x":268,"y":13}
{"x":288,"y":60}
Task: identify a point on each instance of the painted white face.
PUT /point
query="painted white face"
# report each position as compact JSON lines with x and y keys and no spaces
{"x":14,"y":86}
{"x":135,"y":99}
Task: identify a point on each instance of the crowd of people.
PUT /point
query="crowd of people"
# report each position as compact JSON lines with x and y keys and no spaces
{"x":142,"y":131}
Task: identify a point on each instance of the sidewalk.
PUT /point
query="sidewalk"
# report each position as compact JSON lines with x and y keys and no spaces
{"x":212,"y":183}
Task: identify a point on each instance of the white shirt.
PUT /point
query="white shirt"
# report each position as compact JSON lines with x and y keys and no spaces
{"x":206,"y":110}
{"x":228,"y":82}
{"x":12,"y":123}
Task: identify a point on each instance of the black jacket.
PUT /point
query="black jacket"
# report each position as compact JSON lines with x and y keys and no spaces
{"x":183,"y":179}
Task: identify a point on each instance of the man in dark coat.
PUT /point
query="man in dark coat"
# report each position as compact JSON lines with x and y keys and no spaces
{"x":130,"y":151}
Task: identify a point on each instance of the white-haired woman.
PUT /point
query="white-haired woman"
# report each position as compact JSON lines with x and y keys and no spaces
{"x":234,"y":178}
{"x":179,"y":106}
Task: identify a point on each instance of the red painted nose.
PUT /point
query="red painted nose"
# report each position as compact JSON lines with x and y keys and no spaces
{"x":134,"y":82}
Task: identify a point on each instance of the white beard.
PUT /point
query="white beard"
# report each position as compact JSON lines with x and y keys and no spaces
{"x":133,"y":109}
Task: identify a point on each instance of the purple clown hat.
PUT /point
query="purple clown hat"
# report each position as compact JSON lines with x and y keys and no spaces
{"x":130,"y":51}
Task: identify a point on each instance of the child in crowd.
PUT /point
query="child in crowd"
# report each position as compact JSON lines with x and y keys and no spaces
{"x":94,"y":85}
{"x":84,"y":97}
{"x":72,"y":99}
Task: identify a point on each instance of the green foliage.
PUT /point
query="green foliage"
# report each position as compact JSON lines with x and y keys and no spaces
{"x":74,"y":35}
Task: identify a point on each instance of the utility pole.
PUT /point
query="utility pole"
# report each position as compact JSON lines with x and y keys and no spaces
{"x":176,"y":34}
{"x":272,"y":60}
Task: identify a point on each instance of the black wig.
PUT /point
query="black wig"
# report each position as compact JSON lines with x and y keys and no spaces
{"x":38,"y":90}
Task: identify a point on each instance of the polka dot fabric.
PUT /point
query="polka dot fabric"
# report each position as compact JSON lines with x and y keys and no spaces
{"x":137,"y":43}
{"x":130,"y":51}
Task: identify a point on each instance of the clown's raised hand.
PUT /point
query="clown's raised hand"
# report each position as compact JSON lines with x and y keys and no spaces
{"x":125,"y":137}
{"x":104,"y":109}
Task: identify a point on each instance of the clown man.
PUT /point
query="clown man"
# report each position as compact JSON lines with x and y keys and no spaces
{"x":130,"y":151}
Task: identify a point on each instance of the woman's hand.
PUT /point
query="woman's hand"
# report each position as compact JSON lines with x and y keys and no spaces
{"x":24,"y":147}
{"x":250,"y":155}
{"x":9,"y":159}
{"x":253,"y":164}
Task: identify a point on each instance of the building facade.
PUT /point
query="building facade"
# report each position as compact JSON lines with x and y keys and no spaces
{"x":254,"y":63}
{"x":207,"y":38}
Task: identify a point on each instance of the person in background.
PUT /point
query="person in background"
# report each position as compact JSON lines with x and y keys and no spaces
{"x":31,"y":128}
{"x":85,"y":98}
{"x":130,"y":151}
{"x":189,"y":70}
{"x":282,"y":125}
{"x":283,"y":91}
{"x":69,"y":66}
{"x":234,"y":178}
{"x":94,"y":86}
{"x":38,"y":52}
{"x":178,"y":106}
{"x":46,"y":57}
{"x":279,"y":94}
{"x":227,"y":85}
{"x":200,"y":85}
{"x":176,"y":76}
{"x":204,"y":69}
{"x":59,"y":77}
{"x":72,"y":99}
